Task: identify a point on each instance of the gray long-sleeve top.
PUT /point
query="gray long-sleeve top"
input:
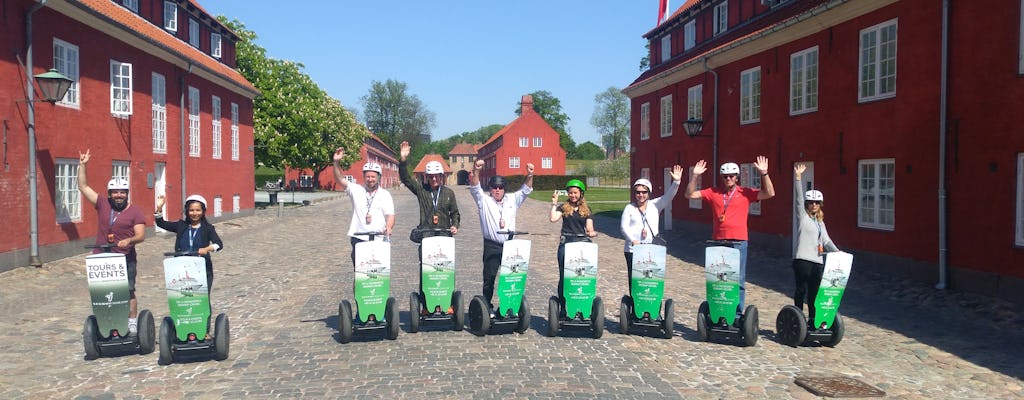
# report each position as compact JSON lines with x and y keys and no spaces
{"x":810,"y":232}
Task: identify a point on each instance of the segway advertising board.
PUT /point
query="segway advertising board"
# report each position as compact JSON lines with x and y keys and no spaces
{"x":580,"y":285}
{"x":437,"y":271}
{"x":108,"y":289}
{"x":833,"y":284}
{"x":515,"y":263}
{"x":722,"y":275}
{"x":188,"y":297}
{"x":372,"y":284}
{"x":648,"y":285}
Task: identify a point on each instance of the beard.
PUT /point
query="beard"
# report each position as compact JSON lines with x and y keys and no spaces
{"x":118,"y":204}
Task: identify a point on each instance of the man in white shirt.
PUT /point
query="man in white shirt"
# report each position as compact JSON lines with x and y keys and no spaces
{"x":373,"y":209}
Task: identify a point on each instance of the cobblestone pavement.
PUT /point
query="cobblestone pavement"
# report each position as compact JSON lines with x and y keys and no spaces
{"x":280,"y":280}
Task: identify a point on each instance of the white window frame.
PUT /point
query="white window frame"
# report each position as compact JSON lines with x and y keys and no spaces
{"x":695,"y":204}
{"x":216,"y":125}
{"x":524,"y":142}
{"x":234,"y":131}
{"x":538,"y":141}
{"x":645,"y":173}
{"x":120,"y":169}
{"x":120,"y":88}
{"x":645,"y":121}
{"x":666,"y":48}
{"x":215,"y":45}
{"x":666,"y":116}
{"x":750,"y":96}
{"x":131,"y":5}
{"x":803,"y":81}
{"x":193,"y":32}
{"x":871,"y":188}
{"x":513,"y":162}
{"x":65,"y":61}
{"x":68,"y":200}
{"x":689,"y":35}
{"x":750,"y":177}
{"x":171,"y":16}
{"x":236,"y":204}
{"x":1018,"y":237}
{"x":545,"y":163}
{"x":877,"y":62}
{"x":695,"y":102}
{"x":218,"y":206}
{"x":721,"y":18}
{"x":194,"y":134}
{"x":159,"y":105}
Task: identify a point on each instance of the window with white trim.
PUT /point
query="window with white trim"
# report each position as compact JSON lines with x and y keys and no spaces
{"x":696,"y":204}
{"x":236,"y":204}
{"x":666,"y":116}
{"x":215,"y":45}
{"x":171,"y":16}
{"x":750,"y":96}
{"x":159,"y":105}
{"x":131,"y":5}
{"x":193,"y":33}
{"x":878,"y":62}
{"x":645,"y":121}
{"x":65,"y":61}
{"x":524,"y":142}
{"x":1019,"y":228}
{"x":215,"y":113}
{"x":876,"y":194}
{"x":119,"y":170}
{"x":750,"y":177}
{"x":803,"y":81}
{"x":695,"y":102}
{"x":193,"y":122}
{"x":218,"y":206}
{"x":721,"y":19}
{"x":234,"y":131}
{"x":689,"y":35}
{"x":120,"y":88}
{"x":538,"y":141}
{"x":513,"y":162}
{"x":68,"y":200}
{"x":645,"y":173}
{"x":545,"y":162}
{"x":666,"y":48}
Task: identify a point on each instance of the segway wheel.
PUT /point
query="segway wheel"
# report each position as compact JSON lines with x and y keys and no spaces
{"x":391,"y":311}
{"x":345,"y":321}
{"x":460,"y":311}
{"x":838,"y":330}
{"x":221,"y":337}
{"x":790,"y":326}
{"x":479,"y":316}
{"x":524,"y":316}
{"x":90,"y":335}
{"x":553,"y":323}
{"x":167,"y":333}
{"x":414,"y":312}
{"x":750,"y":326}
{"x":625,"y":314}
{"x":597,"y":318}
{"x":668,"y":322}
{"x":147,"y":332}
{"x":703,"y":322}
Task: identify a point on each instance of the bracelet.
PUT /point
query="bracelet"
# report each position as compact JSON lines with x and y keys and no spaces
{"x":764,"y":174}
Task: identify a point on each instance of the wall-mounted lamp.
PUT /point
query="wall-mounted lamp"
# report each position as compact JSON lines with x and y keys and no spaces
{"x":693,"y":126}
{"x":53,"y":85}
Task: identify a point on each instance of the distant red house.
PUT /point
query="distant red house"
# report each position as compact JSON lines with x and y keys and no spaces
{"x":373,"y":149}
{"x":461,"y":159}
{"x":527,"y":139}
{"x":421,"y":169}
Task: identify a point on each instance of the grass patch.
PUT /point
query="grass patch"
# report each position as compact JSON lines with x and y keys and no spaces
{"x":602,"y":200}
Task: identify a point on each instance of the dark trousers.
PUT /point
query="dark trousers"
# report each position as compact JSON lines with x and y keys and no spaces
{"x":353,"y":255}
{"x":561,"y":275}
{"x":491,"y":260}
{"x":629,"y":272}
{"x":808,"y":278}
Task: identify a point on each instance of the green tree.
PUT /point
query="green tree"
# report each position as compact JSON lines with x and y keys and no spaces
{"x":645,"y":62}
{"x":611,"y":119}
{"x":394,"y":115}
{"x":550,"y":108}
{"x":589,"y":151}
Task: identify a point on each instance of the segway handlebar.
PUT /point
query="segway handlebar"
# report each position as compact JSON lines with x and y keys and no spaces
{"x":435,"y":230}
{"x":372,"y":235}
{"x":181,"y":254}
{"x":723,"y":242}
{"x":106,"y":247}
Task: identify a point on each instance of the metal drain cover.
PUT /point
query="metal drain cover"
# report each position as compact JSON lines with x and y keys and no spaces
{"x":836,"y":386}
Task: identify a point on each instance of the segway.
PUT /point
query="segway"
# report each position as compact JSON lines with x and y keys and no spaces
{"x":106,"y":331}
{"x":184,"y":334}
{"x":827,"y":328}
{"x":440,"y":301}
{"x":719,"y":316}
{"x":511,"y":288}
{"x":582,"y":307}
{"x":371,"y":287}
{"x":644,"y":307}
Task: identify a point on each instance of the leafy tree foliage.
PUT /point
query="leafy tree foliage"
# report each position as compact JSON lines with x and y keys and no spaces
{"x":589,"y":151}
{"x":550,"y":108}
{"x":611,"y":118}
{"x":394,"y":115}
{"x":443,"y":146}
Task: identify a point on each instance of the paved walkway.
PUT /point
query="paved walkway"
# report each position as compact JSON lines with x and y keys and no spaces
{"x":280,"y":281}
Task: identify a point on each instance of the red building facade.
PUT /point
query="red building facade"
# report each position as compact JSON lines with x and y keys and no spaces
{"x":901,"y":133}
{"x":172,"y":117}
{"x":373,"y":149}
{"x":527,"y":139}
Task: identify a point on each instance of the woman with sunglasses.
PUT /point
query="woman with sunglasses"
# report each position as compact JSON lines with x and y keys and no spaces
{"x":640,"y":218}
{"x":812,"y":241}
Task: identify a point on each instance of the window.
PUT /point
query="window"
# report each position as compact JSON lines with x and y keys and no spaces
{"x":215,"y":149}
{"x":878,"y":62}
{"x":68,"y":201}
{"x":666,"y":48}
{"x":689,"y":35}
{"x":524,"y":142}
{"x":236,"y":204}
{"x":721,"y":20}
{"x":215,"y":45}
{"x":645,"y":173}
{"x":803,"y":81}
{"x":218,"y":206}
{"x":234,"y":131}
{"x":876,"y":194}
{"x":193,"y":122}
{"x":538,"y":141}
{"x":513,"y":162}
{"x":751,"y":178}
{"x":131,"y":5}
{"x":750,"y":96}
{"x":193,"y":33}
{"x":1019,"y":236}
{"x":159,"y":114}
{"x":119,"y":169}
{"x":666,"y":116}
{"x":120,"y":88}
{"x":645,"y":121}
{"x":694,"y":102}
{"x":696,"y":204}
{"x":171,"y":16}
{"x":545,"y":162}
{"x":65,"y":60}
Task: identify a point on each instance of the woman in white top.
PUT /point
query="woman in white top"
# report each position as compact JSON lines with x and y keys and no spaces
{"x":812,"y":242}
{"x":640,"y":218}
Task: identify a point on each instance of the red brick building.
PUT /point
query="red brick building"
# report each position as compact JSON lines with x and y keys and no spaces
{"x":527,"y":139}
{"x":373,"y":149}
{"x":155,"y":98}
{"x":906,"y":119}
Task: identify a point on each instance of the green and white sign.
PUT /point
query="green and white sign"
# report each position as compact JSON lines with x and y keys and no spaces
{"x":437,"y":271}
{"x":373,"y":279}
{"x":515,"y":263}
{"x":722,"y":276}
{"x":188,"y":297}
{"x":648,"y":285}
{"x":833,"y":284}
{"x":580,"y":284}
{"x":107,"y":274}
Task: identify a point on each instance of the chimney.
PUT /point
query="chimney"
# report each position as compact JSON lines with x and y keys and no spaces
{"x":527,"y":104}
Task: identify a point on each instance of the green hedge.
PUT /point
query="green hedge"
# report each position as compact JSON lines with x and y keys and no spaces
{"x":541,"y":182}
{"x":264,"y":174}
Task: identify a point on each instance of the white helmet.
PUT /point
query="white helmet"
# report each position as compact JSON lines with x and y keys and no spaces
{"x":434,"y":168}
{"x":117,"y":184}
{"x":730,"y":169}
{"x":196,"y":197}
{"x":813,"y":195}
{"x":644,"y":182}
{"x":372,"y":166}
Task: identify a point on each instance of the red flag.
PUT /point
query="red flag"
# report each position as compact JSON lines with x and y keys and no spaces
{"x":662,"y":11}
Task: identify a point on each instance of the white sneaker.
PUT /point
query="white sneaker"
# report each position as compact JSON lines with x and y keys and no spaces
{"x":133,"y":326}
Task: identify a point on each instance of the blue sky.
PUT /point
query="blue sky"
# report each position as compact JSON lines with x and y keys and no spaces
{"x":468,"y":61}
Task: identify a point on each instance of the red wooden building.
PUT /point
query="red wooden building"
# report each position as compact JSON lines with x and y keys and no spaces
{"x":527,"y":139}
{"x":155,"y":98}
{"x":373,"y":149}
{"x":906,"y":118}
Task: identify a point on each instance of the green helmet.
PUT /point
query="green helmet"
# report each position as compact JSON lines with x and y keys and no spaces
{"x":576,"y":183}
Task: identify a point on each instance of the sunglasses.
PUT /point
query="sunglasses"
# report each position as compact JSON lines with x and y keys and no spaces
{"x":641,"y":192}
{"x":730,"y":176}
{"x":813,"y":202}
{"x":499,"y":187}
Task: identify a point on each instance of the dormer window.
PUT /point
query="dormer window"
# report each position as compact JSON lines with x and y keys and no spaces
{"x":666,"y":48}
{"x":215,"y":45}
{"x":689,"y":35}
{"x":721,"y":20}
{"x":193,"y":33}
{"x":171,"y":16}
{"x":131,"y":5}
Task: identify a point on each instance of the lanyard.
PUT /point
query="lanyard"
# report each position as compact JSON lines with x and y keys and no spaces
{"x":113,"y":217}
{"x":369,"y":200}
{"x":435,"y":199}
{"x":643,"y":216}
{"x":727,"y":200}
{"x":191,"y":237}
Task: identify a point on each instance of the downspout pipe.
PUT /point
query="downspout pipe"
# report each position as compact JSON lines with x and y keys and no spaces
{"x":714,"y":120}
{"x":943,"y":98}
{"x":181,"y":144}
{"x":33,"y":196}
